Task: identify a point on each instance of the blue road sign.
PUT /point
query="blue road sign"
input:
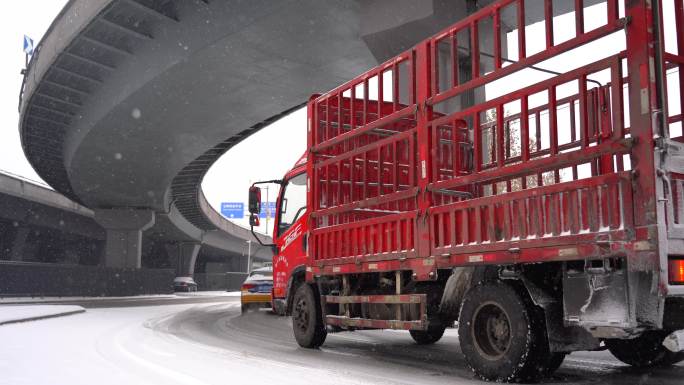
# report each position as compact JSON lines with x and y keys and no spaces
{"x":28,"y":45}
{"x":264,"y":206}
{"x":233,"y":210}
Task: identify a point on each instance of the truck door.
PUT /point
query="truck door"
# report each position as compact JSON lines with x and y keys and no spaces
{"x":291,"y":229}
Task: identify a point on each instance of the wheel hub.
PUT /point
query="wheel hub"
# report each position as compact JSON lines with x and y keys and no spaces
{"x":301,"y":316}
{"x":491,"y":331}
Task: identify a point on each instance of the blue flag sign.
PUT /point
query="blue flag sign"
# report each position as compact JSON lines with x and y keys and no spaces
{"x":28,"y":45}
{"x":265,"y":206}
{"x":234,"y":210}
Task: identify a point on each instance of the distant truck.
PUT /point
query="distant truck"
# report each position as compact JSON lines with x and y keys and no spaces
{"x":541,"y":228}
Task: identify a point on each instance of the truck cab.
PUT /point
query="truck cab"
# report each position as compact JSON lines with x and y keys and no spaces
{"x":289,"y":234}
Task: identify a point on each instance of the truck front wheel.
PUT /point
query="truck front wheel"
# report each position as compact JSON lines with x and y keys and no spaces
{"x":502,"y":336}
{"x":645,"y":351}
{"x":307,"y":321}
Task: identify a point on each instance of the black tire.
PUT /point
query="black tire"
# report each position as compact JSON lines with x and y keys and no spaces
{"x":245,"y":308}
{"x":307,"y":321}
{"x":555,"y":361}
{"x":503,"y":336}
{"x":429,"y":336}
{"x":645,"y":351}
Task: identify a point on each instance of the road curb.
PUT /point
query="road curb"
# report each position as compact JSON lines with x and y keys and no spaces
{"x":42,"y":317}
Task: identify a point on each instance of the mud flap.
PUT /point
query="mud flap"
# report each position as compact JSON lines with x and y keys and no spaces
{"x":595,"y":296}
{"x":562,"y":338}
{"x":455,"y":289}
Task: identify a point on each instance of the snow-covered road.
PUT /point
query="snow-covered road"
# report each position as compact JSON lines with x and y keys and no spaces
{"x":211,"y":343}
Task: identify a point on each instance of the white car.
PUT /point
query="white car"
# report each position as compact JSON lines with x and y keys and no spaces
{"x":184,"y":284}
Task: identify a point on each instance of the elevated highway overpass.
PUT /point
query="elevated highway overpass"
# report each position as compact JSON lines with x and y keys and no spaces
{"x":42,"y":230}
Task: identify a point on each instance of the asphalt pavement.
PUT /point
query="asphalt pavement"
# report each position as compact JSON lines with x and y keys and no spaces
{"x":206,"y":340}
{"x":380,"y":356}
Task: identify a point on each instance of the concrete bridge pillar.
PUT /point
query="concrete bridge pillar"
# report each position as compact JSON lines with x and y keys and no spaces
{"x":184,"y":256}
{"x":124,"y":229}
{"x":19,"y":243}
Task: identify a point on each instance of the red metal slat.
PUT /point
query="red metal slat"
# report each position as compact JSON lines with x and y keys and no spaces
{"x":499,"y":139}
{"x":455,"y":67}
{"x":434,"y":143}
{"x":352,"y":107}
{"x":474,"y":50}
{"x":477,"y":142}
{"x":434,"y":67}
{"x":507,"y":223}
{"x":328,"y":126}
{"x":606,"y":129}
{"x":679,"y":22}
{"x":340,"y":117}
{"x":412,"y":77}
{"x":537,"y":138}
{"x":522,"y":54}
{"x":579,"y":17}
{"x":395,"y":167}
{"x":612,"y":10}
{"x":490,"y":223}
{"x":366,"y":100}
{"x":381,"y":91}
{"x":553,"y":127}
{"x":453,"y":227}
{"x":497,"y":38}
{"x":524,"y":134}
{"x":583,"y":110}
{"x":465,"y":218}
{"x":395,"y":87}
{"x":548,"y":22}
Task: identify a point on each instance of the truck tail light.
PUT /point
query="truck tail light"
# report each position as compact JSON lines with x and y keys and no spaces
{"x":676,"y":269}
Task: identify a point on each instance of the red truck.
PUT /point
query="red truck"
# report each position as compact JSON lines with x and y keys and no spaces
{"x":540,"y":225}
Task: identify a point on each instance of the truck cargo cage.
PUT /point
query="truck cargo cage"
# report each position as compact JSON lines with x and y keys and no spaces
{"x":452,"y":153}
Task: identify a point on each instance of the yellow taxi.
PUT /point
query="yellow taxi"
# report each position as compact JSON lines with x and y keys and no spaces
{"x":255,"y":292}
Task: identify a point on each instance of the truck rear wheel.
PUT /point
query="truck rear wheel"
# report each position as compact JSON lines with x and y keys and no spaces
{"x":645,"y":351}
{"x":429,"y":336}
{"x":307,"y":321}
{"x":502,"y":336}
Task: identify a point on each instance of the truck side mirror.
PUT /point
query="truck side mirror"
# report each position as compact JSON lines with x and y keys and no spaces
{"x":254,"y":220}
{"x":254,"y":204}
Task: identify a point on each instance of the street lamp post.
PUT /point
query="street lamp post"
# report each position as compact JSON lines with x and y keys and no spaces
{"x":249,"y":256}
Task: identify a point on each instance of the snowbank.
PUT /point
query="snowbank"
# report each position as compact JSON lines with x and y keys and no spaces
{"x":13,"y":314}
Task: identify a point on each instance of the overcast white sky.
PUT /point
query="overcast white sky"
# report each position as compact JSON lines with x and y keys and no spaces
{"x":278,"y":146}
{"x":272,"y":151}
{"x":25,"y":17}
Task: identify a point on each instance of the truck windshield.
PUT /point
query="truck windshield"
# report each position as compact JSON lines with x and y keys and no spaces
{"x":293,"y":203}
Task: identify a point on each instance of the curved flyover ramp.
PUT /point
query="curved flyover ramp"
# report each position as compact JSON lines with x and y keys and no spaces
{"x":127,"y":103}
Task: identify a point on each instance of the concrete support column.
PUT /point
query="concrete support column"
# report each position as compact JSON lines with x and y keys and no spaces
{"x":124,"y":229}
{"x":19,"y":243}
{"x":184,"y":256}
